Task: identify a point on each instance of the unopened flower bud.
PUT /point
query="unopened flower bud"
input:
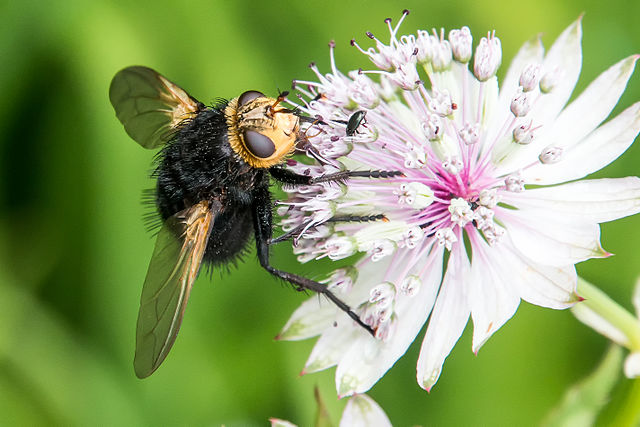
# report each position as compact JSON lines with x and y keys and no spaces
{"x":530,"y":77}
{"x":488,"y":58}
{"x":461,"y":41}
{"x":551,"y":155}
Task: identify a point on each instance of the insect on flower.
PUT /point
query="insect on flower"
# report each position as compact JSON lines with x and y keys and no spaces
{"x":490,"y":209}
{"x":354,"y":122}
{"x":212,"y":191}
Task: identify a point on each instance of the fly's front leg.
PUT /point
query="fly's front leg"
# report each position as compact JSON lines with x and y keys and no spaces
{"x":263,"y":223}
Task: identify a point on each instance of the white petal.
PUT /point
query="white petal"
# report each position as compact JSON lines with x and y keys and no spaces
{"x":594,"y":152}
{"x":492,"y":296}
{"x":590,"y":318}
{"x":565,"y":58}
{"x":632,"y":365}
{"x":370,"y":274}
{"x":341,"y":332}
{"x":597,"y":200}
{"x":310,"y":319}
{"x":546,"y":286}
{"x":449,"y":317}
{"x":367,"y":360}
{"x":276,"y":422}
{"x":593,"y":105}
{"x":363,"y":411}
{"x":552,"y":239}
{"x":331,"y":346}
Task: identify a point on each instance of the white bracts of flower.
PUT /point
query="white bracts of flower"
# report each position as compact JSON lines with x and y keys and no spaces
{"x":363,"y":411}
{"x":360,"y":411}
{"x":491,"y":183}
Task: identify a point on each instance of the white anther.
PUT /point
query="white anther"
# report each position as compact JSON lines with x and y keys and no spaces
{"x":410,"y":285}
{"x":415,"y":194}
{"x":470,"y":133}
{"x":381,"y":248}
{"x":446,"y":237}
{"x":514,"y":183}
{"x":551,"y":154}
{"x":549,"y":81}
{"x":432,"y":127}
{"x":521,"y":103}
{"x":440,"y":102}
{"x":488,"y":198}
{"x":411,"y":237}
{"x":461,"y":212}
{"x":338,"y":247}
{"x":453,"y":164}
{"x":524,"y":134}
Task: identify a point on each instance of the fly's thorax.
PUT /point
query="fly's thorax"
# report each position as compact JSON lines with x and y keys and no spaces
{"x":261,"y":133}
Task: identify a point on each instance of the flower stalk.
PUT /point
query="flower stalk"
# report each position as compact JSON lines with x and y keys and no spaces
{"x":610,"y":311}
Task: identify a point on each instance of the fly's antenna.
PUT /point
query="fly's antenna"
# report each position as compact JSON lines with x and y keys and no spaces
{"x":281,"y":98}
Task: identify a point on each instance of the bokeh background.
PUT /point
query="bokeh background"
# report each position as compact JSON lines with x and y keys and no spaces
{"x":74,"y":249}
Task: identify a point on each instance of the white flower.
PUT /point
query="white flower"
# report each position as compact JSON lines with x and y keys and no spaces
{"x":477,"y":183}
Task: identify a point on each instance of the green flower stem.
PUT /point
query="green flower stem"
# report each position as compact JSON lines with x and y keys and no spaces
{"x":611,"y":311}
{"x":628,"y":414}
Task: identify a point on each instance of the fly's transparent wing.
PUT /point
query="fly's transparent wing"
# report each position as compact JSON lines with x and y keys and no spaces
{"x":149,"y":106}
{"x":173,"y":268}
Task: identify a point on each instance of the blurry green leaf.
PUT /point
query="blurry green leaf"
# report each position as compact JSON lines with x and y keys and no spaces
{"x":323,"y":419}
{"x":624,"y":407}
{"x":583,"y":401}
{"x":68,"y":381}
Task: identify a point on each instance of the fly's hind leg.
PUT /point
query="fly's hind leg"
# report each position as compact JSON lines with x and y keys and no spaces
{"x":263,"y":223}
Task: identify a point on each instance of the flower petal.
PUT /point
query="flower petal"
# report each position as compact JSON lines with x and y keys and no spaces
{"x":551,"y":239}
{"x":448,"y":319}
{"x":368,"y":359}
{"x":597,"y":200}
{"x":565,"y":59}
{"x":492,"y":297}
{"x":363,"y":411}
{"x":276,"y":422}
{"x":310,"y":319}
{"x":593,"y":105}
{"x":594,"y":152}
{"x":331,"y":346}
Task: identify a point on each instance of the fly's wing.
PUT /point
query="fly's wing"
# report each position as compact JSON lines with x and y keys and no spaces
{"x":149,"y":106}
{"x":173,"y":269}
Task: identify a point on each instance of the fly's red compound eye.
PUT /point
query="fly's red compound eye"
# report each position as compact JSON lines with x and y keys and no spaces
{"x":258,"y":144}
{"x":249,"y":96}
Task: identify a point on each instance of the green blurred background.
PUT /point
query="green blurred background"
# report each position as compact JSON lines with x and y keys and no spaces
{"x":74,"y":249}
